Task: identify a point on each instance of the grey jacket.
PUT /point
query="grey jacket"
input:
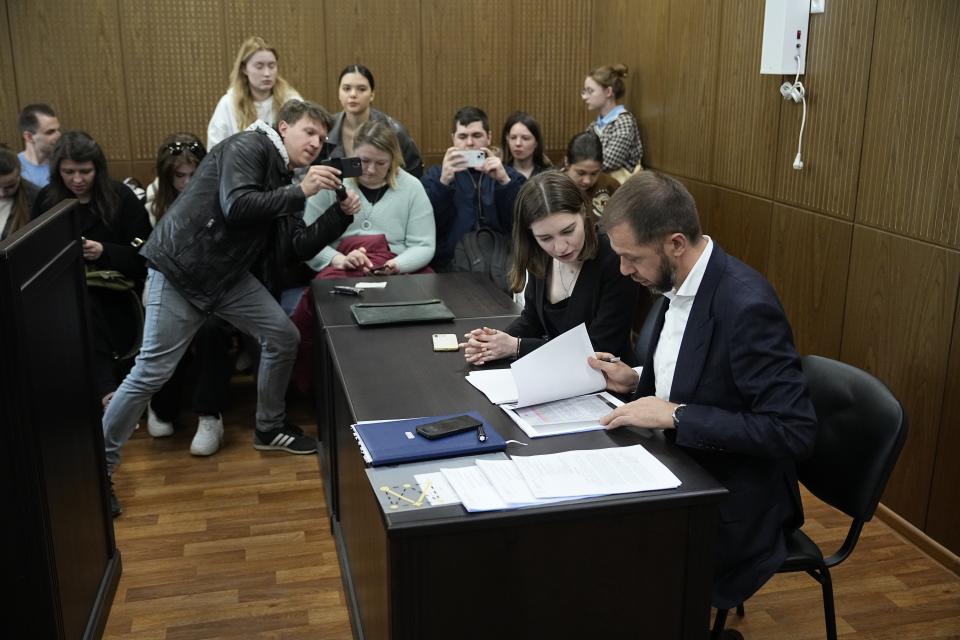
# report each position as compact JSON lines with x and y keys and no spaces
{"x":412,"y":162}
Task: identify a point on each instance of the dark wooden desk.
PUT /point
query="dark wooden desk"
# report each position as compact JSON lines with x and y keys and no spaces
{"x":468,"y":295}
{"x":636,"y":565}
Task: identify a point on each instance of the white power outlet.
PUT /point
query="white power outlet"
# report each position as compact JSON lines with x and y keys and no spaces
{"x":785,"y":37}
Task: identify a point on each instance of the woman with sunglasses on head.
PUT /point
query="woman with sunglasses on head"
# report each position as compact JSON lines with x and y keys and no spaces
{"x":16,"y":194}
{"x":603,"y":89}
{"x":257,"y":91}
{"x":112,"y":224}
{"x":523,"y":145}
{"x":210,"y":351}
{"x":583,"y":163}
{"x":355,"y":88}
{"x":572,"y":276}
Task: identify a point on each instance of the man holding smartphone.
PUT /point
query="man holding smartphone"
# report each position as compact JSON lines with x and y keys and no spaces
{"x":218,"y":251}
{"x":472,"y":188}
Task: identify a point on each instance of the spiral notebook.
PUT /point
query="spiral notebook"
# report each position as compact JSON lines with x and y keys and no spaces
{"x":397,"y":441}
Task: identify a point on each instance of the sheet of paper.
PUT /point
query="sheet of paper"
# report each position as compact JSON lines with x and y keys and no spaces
{"x":508,"y":482}
{"x":496,"y":384}
{"x":595,"y":472}
{"x":438,"y":490}
{"x":572,"y":415}
{"x":474,"y":490}
{"x":557,"y":370}
{"x":371,"y":285}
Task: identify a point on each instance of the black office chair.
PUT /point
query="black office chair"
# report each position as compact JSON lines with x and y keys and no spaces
{"x":861,"y":430}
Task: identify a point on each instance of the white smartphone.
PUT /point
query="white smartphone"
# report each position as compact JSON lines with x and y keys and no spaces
{"x":474,"y":157}
{"x":445,"y":342}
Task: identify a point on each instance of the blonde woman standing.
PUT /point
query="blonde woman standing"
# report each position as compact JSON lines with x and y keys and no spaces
{"x":257,"y":91}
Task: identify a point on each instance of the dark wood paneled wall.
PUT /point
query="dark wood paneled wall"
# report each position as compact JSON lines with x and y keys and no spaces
{"x":862,"y":244}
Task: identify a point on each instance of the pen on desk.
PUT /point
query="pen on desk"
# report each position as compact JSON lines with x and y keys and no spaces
{"x":481,"y":434}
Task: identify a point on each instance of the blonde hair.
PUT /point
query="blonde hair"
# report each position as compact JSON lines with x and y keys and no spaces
{"x":611,"y":76}
{"x":240,"y":84}
{"x":380,"y":135}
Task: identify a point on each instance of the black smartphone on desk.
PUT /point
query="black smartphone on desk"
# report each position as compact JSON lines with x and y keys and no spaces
{"x":448,"y":427}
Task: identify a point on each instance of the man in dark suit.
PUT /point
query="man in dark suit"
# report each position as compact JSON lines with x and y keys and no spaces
{"x":721,"y":375}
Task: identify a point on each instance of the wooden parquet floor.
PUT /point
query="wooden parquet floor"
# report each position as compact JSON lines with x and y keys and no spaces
{"x":236,"y":546}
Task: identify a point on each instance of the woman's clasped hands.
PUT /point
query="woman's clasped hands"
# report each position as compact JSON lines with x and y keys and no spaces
{"x":484,"y":345}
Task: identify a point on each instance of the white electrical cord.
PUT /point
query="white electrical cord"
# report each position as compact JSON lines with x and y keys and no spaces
{"x":798,"y":90}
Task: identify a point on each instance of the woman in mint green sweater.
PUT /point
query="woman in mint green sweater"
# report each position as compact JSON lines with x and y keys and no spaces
{"x":393,"y":205}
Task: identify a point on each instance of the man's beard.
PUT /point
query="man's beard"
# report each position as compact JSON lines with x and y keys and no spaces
{"x":665,"y":279}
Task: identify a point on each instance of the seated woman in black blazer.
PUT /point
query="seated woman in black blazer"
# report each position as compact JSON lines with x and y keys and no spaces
{"x":574,"y":277}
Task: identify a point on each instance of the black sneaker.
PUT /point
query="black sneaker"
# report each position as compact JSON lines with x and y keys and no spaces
{"x":115,"y":507}
{"x":289,"y":438}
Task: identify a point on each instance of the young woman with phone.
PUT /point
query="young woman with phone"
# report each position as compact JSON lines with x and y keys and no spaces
{"x":356,"y":89}
{"x":112,"y":225}
{"x":603,"y":89}
{"x":256,"y":92}
{"x":393,"y":233}
{"x":522,"y":145}
{"x":571,"y":273}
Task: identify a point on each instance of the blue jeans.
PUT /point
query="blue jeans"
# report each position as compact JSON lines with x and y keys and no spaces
{"x":170,"y":322}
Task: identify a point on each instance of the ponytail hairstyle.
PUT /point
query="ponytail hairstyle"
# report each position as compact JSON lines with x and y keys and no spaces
{"x":611,"y":76}
{"x":20,"y":211}
{"x":243,"y":103}
{"x":542,"y":195}
{"x":177,"y":150}
{"x":80,"y":147}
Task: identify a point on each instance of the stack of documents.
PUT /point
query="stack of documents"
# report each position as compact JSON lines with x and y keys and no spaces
{"x":537,"y":480}
{"x":552,"y":390}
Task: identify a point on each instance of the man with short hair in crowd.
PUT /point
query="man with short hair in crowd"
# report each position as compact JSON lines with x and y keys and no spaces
{"x":722,"y":376}
{"x":239,"y":216}
{"x":465,"y":195}
{"x":40,"y":130}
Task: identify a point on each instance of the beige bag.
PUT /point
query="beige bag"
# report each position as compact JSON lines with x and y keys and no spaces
{"x":622,"y":175}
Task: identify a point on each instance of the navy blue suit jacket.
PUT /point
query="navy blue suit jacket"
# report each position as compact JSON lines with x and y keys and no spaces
{"x":748,"y":417}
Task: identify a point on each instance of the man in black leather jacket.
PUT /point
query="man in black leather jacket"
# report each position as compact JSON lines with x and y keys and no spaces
{"x":240,"y":214}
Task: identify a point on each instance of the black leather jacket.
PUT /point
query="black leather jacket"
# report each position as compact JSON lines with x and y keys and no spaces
{"x":239,"y":213}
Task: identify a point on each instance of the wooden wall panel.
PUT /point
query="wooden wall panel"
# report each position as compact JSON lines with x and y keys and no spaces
{"x":746,"y":101}
{"x":838,"y":70}
{"x":910,"y":180}
{"x":809,"y":263}
{"x":704,"y":195}
{"x":69,"y":54}
{"x":468,"y":56}
{"x":901,"y":298}
{"x":554,"y":39}
{"x":691,"y":83}
{"x":634,"y":32}
{"x":296,"y":28}
{"x":352,"y":37}
{"x":943,"y":514}
{"x":741,"y":225}
{"x":9,"y":106}
{"x":173,"y":60}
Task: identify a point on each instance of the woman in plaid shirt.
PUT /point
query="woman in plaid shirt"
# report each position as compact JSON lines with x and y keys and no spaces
{"x":602,"y":89}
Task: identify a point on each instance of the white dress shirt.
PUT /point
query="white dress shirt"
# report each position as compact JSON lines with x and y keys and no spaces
{"x":675,"y":323}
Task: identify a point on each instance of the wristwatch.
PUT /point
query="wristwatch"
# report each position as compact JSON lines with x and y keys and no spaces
{"x":676,"y":415}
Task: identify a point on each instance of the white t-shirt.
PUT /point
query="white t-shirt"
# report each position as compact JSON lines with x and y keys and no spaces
{"x":224,"y":124}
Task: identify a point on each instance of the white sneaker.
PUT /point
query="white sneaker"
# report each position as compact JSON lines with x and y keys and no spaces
{"x":157,"y":427}
{"x":209,"y":436}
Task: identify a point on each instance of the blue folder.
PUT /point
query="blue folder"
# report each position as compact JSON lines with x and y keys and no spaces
{"x":389,"y":442}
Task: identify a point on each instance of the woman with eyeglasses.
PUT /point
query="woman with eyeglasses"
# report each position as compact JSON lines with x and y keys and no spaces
{"x":16,"y":194}
{"x":603,"y":89}
{"x":257,"y":91}
{"x":393,"y":233}
{"x":112,"y":224}
{"x":568,"y":273}
{"x":355,"y":89}
{"x":209,"y":356}
{"x":523,"y":145}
